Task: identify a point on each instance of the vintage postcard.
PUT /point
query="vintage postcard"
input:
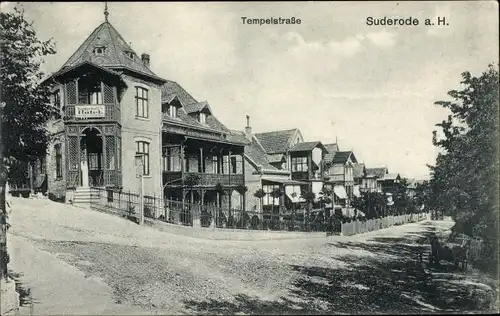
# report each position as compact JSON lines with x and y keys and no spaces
{"x":171,"y":158}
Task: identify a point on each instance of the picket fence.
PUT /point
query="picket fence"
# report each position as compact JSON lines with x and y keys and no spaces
{"x":360,"y":227}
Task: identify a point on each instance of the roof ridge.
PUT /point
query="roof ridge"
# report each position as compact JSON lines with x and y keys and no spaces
{"x":260,"y":145}
{"x":112,"y":42}
{"x":87,"y":40}
{"x":278,"y":131}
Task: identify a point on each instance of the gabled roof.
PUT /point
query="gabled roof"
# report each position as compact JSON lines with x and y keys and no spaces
{"x":83,"y":66}
{"x":197,"y":107}
{"x":275,"y":158}
{"x":277,"y":141}
{"x":170,"y":88}
{"x":258,"y":157}
{"x":331,"y":148}
{"x":343,"y":156}
{"x":390,"y":176}
{"x":358,"y":170}
{"x":306,"y":146}
{"x":115,"y":55}
{"x":377,"y":172}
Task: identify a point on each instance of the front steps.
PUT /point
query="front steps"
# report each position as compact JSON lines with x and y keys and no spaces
{"x":81,"y":196}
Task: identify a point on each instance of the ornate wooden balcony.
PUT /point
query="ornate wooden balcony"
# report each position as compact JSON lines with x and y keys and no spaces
{"x":172,"y":178}
{"x":306,"y":175}
{"x":102,"y":112}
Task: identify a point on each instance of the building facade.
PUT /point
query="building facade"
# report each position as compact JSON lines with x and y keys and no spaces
{"x":111,"y":110}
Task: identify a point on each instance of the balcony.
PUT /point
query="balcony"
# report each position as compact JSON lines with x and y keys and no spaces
{"x":306,"y":175}
{"x":92,"y":112}
{"x":206,"y":179}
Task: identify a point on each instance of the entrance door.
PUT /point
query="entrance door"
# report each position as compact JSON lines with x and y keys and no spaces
{"x":91,"y":160}
{"x":85,"y":171}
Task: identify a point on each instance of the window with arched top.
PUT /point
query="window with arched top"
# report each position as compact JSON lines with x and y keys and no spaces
{"x":59,"y":173}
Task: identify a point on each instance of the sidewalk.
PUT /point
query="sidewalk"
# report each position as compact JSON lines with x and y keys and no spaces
{"x":57,"y":293}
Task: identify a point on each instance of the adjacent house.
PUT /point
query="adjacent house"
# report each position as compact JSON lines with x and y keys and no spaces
{"x":277,"y":145}
{"x":306,"y":160}
{"x":369,"y":181}
{"x":262,"y":173}
{"x":388,"y":182}
{"x":339,"y":168}
{"x":195,"y":144}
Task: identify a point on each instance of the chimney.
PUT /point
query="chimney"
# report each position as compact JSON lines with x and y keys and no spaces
{"x":145,"y":59}
{"x":248,"y":130}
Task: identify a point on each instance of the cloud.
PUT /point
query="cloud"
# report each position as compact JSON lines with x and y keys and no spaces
{"x":382,"y":39}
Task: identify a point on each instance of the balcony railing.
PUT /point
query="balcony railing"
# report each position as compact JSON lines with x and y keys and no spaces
{"x":206,"y":179}
{"x":99,"y":178}
{"x":306,"y":175}
{"x":94,"y":112}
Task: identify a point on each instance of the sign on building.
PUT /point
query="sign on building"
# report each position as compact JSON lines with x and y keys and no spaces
{"x":90,"y":111}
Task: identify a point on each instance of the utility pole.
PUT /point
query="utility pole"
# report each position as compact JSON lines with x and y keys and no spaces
{"x":139,"y":162}
{"x":3,"y":206}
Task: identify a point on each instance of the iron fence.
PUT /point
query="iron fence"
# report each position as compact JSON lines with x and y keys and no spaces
{"x":126,"y":203}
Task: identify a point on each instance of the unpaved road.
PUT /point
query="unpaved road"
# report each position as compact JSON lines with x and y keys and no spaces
{"x":77,"y":261}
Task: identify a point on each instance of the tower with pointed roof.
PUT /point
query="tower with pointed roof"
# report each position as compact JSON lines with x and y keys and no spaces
{"x":107,"y":104}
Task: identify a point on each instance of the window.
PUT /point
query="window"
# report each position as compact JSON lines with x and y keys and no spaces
{"x":56,"y":103}
{"x":141,"y":102}
{"x":268,"y":199}
{"x":236,"y":164}
{"x":299,"y":164}
{"x":215,"y":164}
{"x":202,"y":118}
{"x":57,"y":149}
{"x":100,"y":50}
{"x":172,"y":159}
{"x":172,"y":111}
{"x":129,"y":54}
{"x":143,"y":149}
{"x":89,"y":91}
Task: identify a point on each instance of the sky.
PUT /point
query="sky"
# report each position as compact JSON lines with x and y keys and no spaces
{"x":371,"y":88}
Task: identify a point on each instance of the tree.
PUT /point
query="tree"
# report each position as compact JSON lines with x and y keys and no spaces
{"x":370,"y":203}
{"x":24,"y":110}
{"x":464,"y":180}
{"x":402,"y":202}
{"x":276,"y":194}
{"x":260,"y":195}
{"x":308,"y":197}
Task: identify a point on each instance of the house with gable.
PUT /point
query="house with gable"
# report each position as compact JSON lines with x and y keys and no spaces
{"x":277,"y":145}
{"x":263,"y":172}
{"x":339,"y":171}
{"x":111,"y":109}
{"x":369,"y":182}
{"x":196,"y":144}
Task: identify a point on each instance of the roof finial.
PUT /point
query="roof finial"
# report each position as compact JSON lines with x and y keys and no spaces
{"x":106,"y":13}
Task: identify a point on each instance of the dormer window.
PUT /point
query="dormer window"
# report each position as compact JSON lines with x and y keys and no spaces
{"x":172,"y":111}
{"x":99,"y":51}
{"x":129,"y":54}
{"x":202,"y":118}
